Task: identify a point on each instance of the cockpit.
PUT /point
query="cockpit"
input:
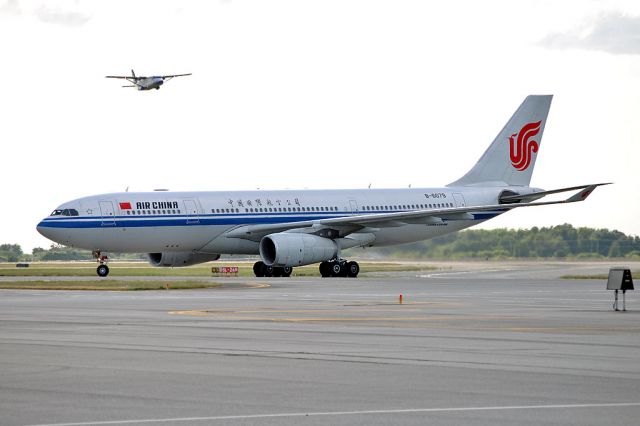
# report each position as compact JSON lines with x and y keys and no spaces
{"x":65,"y":212}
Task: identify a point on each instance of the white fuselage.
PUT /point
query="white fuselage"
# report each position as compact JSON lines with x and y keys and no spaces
{"x":148,"y":83}
{"x":201,"y":221}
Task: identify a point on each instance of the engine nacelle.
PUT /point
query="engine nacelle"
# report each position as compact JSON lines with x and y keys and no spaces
{"x":292,"y":249}
{"x":177,"y":258}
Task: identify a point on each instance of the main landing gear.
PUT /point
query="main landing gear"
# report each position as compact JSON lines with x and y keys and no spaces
{"x":334,"y":268}
{"x":103,"y":269}
{"x":262,"y":270}
{"x":339,"y":268}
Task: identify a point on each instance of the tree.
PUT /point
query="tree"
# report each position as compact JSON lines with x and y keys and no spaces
{"x":11,"y":252}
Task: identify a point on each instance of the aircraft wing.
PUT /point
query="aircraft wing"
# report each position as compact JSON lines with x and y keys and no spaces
{"x":126,"y":77}
{"x":346,"y":225}
{"x":174,"y":75}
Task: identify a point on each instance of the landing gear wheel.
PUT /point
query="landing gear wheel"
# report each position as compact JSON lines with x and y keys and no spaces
{"x":325,"y":269}
{"x":286,"y":271}
{"x":269,"y":271}
{"x":258,"y":269}
{"x":338,"y":269}
{"x":102,"y":270}
{"x":353,"y":269}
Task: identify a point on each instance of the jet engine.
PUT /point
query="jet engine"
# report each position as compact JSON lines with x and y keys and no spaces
{"x":177,"y":258}
{"x":293,"y":249}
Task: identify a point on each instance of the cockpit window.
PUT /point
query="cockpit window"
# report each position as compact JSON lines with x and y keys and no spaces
{"x":65,"y":212}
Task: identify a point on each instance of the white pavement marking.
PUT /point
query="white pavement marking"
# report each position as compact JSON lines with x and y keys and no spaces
{"x":345,"y":413}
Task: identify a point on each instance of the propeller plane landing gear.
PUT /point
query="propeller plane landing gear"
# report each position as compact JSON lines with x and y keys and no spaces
{"x":262,"y":270}
{"x":339,"y":268}
{"x":102,"y":269}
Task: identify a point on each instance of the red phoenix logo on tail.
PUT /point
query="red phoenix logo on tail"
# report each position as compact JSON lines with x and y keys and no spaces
{"x":523,"y":147}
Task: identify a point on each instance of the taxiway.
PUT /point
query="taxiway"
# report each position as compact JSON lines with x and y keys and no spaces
{"x":479,"y":345}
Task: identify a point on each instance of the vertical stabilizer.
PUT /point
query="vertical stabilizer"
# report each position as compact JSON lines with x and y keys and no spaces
{"x":510,"y":159}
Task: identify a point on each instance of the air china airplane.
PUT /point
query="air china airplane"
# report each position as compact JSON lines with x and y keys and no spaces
{"x":301,"y":227}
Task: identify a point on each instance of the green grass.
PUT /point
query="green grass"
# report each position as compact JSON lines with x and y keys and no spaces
{"x":140,"y":269}
{"x":112,"y":285}
{"x":594,"y":277}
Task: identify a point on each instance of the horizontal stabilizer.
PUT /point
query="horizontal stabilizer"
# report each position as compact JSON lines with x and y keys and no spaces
{"x":582,"y":195}
{"x":517,"y":198}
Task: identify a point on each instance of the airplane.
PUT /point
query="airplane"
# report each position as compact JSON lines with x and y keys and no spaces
{"x":290,"y":228}
{"x":146,"y":83}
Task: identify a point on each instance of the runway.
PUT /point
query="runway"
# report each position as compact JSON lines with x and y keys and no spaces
{"x":488,"y":344}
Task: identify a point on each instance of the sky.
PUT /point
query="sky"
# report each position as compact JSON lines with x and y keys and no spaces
{"x":313,"y":94}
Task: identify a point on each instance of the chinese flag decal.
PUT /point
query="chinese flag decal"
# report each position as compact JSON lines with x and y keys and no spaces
{"x":125,"y":206}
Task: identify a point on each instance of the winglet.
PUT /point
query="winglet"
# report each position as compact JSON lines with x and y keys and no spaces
{"x":582,"y":195}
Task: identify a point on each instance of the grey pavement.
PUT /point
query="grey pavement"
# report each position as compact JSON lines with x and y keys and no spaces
{"x":492,"y":345}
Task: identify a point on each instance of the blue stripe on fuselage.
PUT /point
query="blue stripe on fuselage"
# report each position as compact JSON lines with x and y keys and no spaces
{"x":78,"y":222}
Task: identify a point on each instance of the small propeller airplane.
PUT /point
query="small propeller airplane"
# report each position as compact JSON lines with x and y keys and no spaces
{"x":146,"y":83}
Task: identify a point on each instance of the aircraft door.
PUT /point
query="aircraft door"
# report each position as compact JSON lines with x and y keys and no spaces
{"x":192,"y":211}
{"x":354,"y":206}
{"x":459,"y":198}
{"x":108,"y":214}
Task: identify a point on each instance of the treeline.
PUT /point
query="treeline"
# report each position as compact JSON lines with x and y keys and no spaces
{"x":14,"y":253}
{"x":563,"y":241}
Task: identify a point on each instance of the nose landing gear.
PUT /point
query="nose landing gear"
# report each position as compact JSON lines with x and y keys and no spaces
{"x":102,"y":269}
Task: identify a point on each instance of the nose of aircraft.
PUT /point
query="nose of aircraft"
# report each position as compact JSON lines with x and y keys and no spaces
{"x":42,"y":229}
{"x":47,"y":231}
